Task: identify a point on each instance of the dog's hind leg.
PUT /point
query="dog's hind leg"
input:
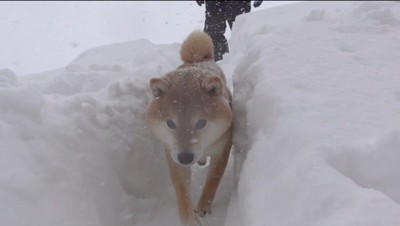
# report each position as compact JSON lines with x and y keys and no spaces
{"x":215,"y":172}
{"x":181,"y":179}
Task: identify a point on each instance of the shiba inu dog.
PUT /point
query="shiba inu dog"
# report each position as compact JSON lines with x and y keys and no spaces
{"x":191,"y":114}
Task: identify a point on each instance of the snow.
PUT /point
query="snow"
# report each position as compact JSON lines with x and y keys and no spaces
{"x":316,"y":102}
{"x":45,"y":35}
{"x":319,"y":91}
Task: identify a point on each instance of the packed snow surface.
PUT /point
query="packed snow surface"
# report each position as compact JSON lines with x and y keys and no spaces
{"x":316,"y":103}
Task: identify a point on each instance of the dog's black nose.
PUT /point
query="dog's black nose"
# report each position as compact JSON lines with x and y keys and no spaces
{"x":185,"y":158}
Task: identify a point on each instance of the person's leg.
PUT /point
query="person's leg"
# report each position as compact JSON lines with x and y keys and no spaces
{"x":215,"y":25}
{"x":230,"y":22}
{"x":236,"y":8}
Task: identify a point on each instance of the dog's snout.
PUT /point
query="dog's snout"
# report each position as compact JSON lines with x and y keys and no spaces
{"x":185,"y":158}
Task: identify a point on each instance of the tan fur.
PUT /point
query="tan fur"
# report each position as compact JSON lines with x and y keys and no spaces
{"x":183,"y":99}
{"x":197,"y":47}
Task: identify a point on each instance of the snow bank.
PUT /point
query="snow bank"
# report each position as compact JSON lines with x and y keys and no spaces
{"x":317,"y":86}
{"x":74,"y":146}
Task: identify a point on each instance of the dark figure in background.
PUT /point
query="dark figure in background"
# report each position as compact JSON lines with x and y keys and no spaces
{"x":217,"y":13}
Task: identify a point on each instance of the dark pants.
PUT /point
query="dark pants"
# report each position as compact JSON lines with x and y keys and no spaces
{"x":217,"y":14}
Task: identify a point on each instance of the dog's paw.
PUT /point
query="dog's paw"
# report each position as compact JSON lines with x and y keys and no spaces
{"x":194,"y":221}
{"x":203,"y":209}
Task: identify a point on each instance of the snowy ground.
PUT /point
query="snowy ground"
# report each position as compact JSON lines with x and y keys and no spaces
{"x":316,"y":96}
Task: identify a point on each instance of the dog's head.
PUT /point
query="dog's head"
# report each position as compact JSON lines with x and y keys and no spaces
{"x":189,"y":112}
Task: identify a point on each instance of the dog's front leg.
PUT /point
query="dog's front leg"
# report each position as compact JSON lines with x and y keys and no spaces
{"x":181,"y":179}
{"x":215,"y":172}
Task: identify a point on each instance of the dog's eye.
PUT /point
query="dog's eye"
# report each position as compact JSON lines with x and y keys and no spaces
{"x":171,"y":124}
{"x":201,"y":124}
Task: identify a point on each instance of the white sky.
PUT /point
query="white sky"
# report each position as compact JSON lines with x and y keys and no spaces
{"x":40,"y":36}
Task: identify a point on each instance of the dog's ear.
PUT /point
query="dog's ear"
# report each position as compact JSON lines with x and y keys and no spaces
{"x":213,"y":85}
{"x":158,"y":86}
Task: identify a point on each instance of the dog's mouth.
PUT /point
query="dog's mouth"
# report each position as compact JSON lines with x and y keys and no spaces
{"x":202,"y":161}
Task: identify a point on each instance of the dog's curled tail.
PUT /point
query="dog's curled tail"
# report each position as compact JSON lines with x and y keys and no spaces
{"x":197,"y":47}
